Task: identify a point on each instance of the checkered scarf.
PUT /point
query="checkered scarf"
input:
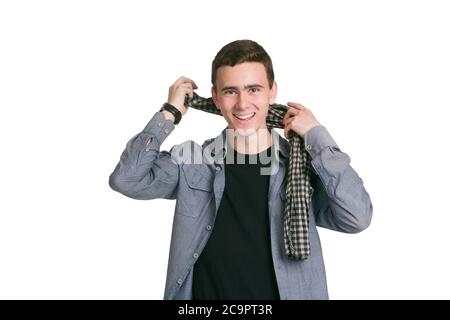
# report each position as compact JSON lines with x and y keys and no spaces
{"x":299,"y":189}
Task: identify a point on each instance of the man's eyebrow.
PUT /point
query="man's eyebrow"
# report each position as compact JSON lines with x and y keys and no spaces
{"x":248,"y":86}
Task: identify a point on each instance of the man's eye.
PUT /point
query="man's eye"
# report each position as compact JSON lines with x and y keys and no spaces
{"x":229,"y":92}
{"x":253,"y":90}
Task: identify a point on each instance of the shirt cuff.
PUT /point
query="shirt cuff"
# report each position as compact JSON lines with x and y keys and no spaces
{"x":159,"y":127}
{"x":317,"y":139}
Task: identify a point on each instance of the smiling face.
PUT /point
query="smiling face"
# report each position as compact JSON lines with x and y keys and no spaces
{"x":242,"y":93}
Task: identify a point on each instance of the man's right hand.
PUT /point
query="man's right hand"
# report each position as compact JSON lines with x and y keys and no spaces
{"x":178,"y":91}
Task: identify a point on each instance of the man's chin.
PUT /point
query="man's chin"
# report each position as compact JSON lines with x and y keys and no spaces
{"x":245,"y":132}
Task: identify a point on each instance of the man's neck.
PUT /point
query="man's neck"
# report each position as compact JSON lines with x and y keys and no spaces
{"x":250,"y":144}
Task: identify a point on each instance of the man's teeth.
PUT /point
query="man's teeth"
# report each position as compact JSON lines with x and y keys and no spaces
{"x":245,"y":117}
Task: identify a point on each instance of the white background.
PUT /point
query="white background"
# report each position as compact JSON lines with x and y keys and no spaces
{"x":79,"y":78}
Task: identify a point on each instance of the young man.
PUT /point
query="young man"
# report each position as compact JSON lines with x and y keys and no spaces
{"x":227,"y":238}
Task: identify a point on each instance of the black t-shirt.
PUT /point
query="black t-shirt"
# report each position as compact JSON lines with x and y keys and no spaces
{"x":236,"y":263}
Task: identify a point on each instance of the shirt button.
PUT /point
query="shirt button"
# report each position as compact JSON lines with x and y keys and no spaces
{"x":179,"y":281}
{"x":308,"y":147}
{"x":208,"y":227}
{"x":166,"y":131}
{"x":147,"y":149}
{"x":159,"y":124}
{"x":195,"y":255}
{"x":218,"y":169}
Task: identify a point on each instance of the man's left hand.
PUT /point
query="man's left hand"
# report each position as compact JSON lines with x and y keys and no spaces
{"x":298,"y":119}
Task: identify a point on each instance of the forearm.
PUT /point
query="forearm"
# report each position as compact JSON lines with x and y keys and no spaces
{"x":341,"y":200}
{"x":144,"y":172}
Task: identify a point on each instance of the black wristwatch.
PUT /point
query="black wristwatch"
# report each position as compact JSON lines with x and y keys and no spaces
{"x":170,"y":108}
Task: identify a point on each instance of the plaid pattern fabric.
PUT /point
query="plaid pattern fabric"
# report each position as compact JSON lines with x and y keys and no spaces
{"x":299,"y":189}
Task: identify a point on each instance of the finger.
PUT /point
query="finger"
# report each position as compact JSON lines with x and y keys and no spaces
{"x":292,"y":112}
{"x":183,"y":79}
{"x":186,"y":85}
{"x":180,"y":80}
{"x":289,"y":121}
{"x":287,"y":132}
{"x":187,"y":80}
{"x":187,"y":88}
{"x":189,"y":91}
{"x":296,"y":105}
{"x":191,"y":84}
{"x":288,"y":116}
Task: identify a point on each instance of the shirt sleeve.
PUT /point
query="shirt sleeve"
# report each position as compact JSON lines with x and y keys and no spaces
{"x":144,"y":172}
{"x":340,"y":200}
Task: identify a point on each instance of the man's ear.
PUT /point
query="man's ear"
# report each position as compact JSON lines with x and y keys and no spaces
{"x":214,"y":97}
{"x":273,"y":92}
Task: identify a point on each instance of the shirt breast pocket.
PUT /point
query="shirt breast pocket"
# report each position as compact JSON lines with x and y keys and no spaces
{"x":197,"y":193}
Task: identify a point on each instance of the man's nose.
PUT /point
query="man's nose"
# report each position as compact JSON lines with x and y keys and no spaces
{"x":243,"y":101}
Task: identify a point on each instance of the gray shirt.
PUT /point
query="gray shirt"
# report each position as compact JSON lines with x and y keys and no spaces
{"x":339,"y":202}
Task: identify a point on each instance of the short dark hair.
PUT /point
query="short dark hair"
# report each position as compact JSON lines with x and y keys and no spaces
{"x":240,"y":51}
